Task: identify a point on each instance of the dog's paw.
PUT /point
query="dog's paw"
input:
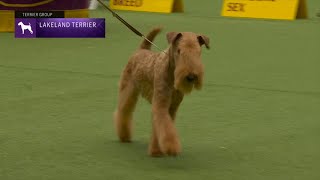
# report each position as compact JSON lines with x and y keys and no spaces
{"x":155,"y":152}
{"x":172,"y":151}
{"x":170,"y":146}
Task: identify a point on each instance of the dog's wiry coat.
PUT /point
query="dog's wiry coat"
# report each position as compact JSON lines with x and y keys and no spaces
{"x":163,"y":79}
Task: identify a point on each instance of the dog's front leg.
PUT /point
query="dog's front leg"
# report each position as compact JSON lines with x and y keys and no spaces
{"x":154,"y":149}
{"x":163,"y":125}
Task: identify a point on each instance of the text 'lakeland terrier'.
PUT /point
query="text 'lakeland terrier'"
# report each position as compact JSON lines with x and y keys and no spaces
{"x":163,"y":79}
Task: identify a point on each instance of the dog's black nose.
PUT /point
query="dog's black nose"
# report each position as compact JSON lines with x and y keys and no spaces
{"x":191,"y":77}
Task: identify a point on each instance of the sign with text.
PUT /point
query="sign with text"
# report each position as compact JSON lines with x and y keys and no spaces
{"x":161,"y":6}
{"x":60,"y":28}
{"x":69,"y":8}
{"x":267,"y":9}
{"x":39,"y":14}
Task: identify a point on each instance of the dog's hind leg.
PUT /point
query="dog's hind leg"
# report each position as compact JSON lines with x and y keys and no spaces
{"x":127,"y":99}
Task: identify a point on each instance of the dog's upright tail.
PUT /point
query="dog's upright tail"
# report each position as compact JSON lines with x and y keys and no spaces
{"x":151,"y":35}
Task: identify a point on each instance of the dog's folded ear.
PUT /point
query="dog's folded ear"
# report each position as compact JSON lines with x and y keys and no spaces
{"x":204,"y":40}
{"x":172,"y":37}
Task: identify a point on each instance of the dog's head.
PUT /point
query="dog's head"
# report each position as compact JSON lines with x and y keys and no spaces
{"x":20,"y":23}
{"x":185,"y":53}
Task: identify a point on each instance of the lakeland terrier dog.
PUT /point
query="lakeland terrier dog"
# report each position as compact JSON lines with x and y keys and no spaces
{"x":162,"y":79}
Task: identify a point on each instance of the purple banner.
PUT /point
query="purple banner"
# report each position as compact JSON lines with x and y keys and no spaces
{"x":60,"y":28}
{"x":40,"y":5}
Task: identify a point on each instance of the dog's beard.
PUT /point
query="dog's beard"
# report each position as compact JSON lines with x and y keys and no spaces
{"x":183,"y":85}
{"x":199,"y":82}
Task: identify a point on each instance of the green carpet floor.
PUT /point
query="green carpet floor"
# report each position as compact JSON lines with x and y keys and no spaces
{"x":257,"y":118}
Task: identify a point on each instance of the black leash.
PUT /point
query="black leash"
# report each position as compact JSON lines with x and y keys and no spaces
{"x":128,"y":25}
